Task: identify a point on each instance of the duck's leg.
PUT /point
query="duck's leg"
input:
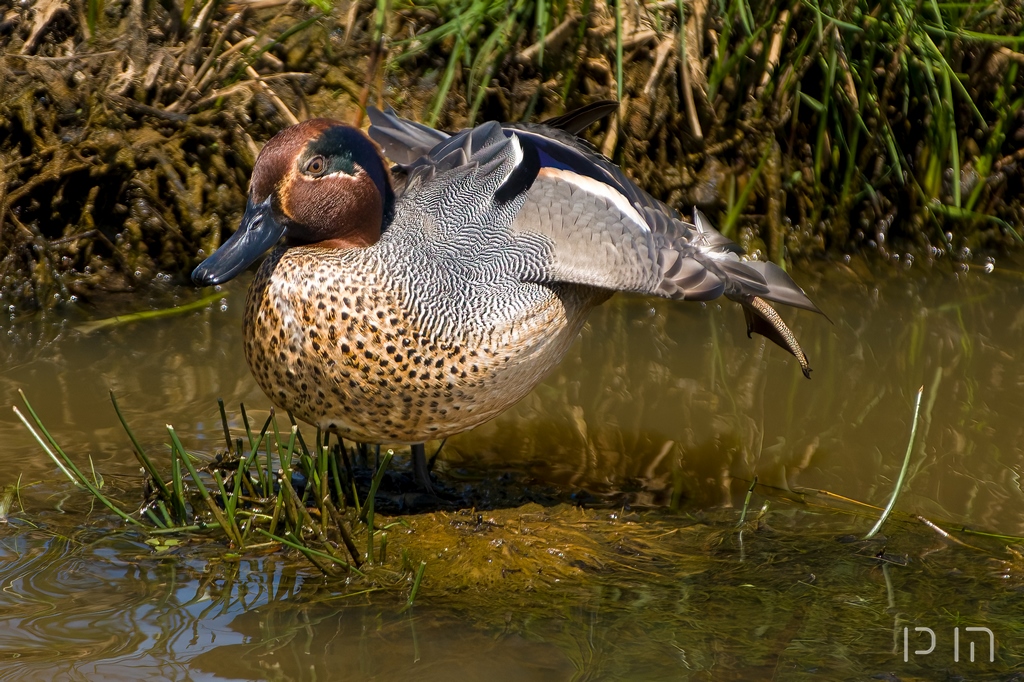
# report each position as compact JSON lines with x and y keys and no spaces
{"x":420,"y":469}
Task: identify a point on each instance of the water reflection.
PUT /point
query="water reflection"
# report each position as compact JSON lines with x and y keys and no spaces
{"x":787,"y":596}
{"x":668,"y":402}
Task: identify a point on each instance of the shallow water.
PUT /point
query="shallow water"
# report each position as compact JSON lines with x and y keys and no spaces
{"x":665,"y":411}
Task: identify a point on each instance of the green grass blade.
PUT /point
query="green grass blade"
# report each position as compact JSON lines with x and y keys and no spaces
{"x":903,"y":472}
{"x":308,"y":550}
{"x":224,"y":423}
{"x":140,"y":452}
{"x":75,"y":472}
{"x":416,"y":585}
{"x":618,"y":49}
{"x":203,"y":492}
{"x":89,"y":327}
{"x":46,"y":448}
{"x":377,"y":478}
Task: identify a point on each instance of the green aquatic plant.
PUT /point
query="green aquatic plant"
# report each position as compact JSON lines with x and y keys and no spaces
{"x":239,"y":495}
{"x":903,"y":471}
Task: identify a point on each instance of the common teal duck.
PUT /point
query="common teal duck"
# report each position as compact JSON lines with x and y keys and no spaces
{"x":414,"y":303}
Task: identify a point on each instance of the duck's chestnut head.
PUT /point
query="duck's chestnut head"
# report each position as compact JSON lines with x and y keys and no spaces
{"x":320,"y":181}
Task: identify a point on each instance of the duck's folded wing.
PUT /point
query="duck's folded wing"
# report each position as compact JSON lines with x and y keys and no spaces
{"x":580,"y":220}
{"x":601,"y":229}
{"x":596,"y":234}
{"x":410,"y":144}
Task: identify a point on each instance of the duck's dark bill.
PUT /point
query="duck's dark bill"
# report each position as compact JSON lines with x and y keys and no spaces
{"x":258,"y":232}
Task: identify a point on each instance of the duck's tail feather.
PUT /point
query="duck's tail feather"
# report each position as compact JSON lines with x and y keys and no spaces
{"x":744,"y":278}
{"x":702,"y":264}
{"x":766,"y":321}
{"x":578,"y":120}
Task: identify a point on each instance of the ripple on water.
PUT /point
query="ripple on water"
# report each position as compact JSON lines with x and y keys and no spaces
{"x":675,"y":406}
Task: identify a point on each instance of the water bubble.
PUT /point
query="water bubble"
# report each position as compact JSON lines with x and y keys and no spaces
{"x":990,"y":264}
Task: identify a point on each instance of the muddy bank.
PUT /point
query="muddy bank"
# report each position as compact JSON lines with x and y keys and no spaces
{"x":127,"y":131}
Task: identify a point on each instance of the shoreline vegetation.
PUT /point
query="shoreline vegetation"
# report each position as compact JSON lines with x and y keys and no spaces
{"x":805,"y":129}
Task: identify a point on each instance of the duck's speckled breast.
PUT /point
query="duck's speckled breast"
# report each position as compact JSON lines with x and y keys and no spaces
{"x":334,"y":336}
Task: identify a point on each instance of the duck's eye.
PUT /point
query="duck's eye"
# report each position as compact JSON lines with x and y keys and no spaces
{"x":316,"y":165}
